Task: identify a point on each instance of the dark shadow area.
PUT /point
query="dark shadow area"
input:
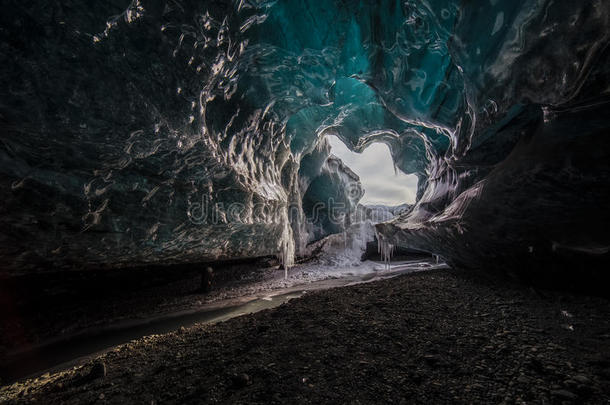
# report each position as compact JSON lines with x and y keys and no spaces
{"x":36,"y":308}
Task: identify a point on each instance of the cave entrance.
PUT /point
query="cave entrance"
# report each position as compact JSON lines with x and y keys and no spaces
{"x":383,"y":184}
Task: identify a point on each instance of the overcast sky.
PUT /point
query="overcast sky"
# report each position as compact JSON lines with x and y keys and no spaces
{"x":376,"y":170}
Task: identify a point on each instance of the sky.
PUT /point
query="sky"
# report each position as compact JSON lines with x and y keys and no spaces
{"x":376,"y":170}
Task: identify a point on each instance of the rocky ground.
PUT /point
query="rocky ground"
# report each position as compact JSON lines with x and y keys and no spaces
{"x":434,"y":337}
{"x":49,"y":308}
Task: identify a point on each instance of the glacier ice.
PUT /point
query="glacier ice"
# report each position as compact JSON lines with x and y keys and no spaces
{"x":145,"y":131}
{"x":349,"y":247}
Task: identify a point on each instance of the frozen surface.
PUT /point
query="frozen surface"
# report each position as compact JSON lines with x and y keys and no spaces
{"x":304,"y":277}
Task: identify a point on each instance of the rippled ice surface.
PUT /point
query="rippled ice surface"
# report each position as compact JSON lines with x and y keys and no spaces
{"x":138,"y":132}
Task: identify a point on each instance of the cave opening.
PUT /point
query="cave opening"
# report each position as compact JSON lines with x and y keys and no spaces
{"x":383,"y":183}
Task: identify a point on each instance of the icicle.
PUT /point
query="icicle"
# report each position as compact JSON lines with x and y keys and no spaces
{"x":287,"y":248}
{"x":385,"y":249}
{"x":286,"y":257}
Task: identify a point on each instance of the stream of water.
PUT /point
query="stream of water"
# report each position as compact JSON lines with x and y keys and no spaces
{"x":77,"y":349}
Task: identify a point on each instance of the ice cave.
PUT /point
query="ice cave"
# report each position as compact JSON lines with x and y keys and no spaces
{"x":171,"y":136}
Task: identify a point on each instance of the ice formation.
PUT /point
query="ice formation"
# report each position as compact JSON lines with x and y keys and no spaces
{"x":386,"y":249}
{"x":185,"y":131}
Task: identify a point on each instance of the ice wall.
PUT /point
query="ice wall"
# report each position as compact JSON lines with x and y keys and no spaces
{"x":129,"y":136}
{"x":524,"y":190}
{"x":331,"y":199}
{"x":182,"y":131}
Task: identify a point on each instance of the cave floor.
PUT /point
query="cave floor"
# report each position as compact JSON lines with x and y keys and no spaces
{"x":438,"y":337}
{"x":44,"y":313}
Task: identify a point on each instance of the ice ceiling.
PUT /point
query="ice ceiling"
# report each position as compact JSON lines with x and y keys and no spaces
{"x":185,"y":131}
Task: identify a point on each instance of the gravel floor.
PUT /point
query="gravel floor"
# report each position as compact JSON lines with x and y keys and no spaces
{"x":435,"y":337}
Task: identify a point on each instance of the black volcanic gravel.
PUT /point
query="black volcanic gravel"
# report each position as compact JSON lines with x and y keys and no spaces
{"x":435,"y":337}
